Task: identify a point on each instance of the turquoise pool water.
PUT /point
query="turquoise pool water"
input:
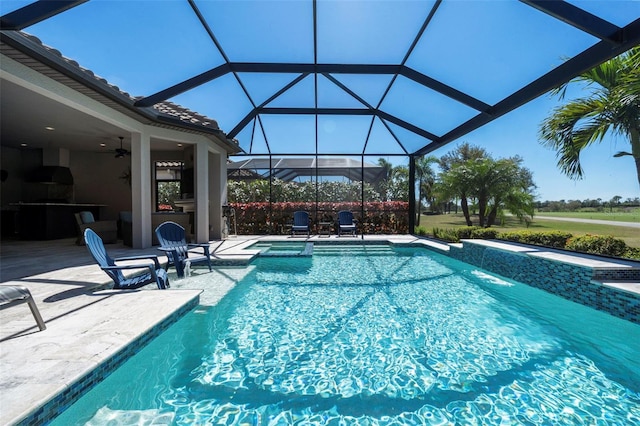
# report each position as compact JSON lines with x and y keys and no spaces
{"x":283,"y":248}
{"x":372,"y":335}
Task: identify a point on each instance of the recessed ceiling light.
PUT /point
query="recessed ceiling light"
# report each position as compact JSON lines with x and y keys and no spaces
{"x":180,"y":145}
{"x":23,"y":144}
{"x":50,"y":128}
{"x":103,"y":145}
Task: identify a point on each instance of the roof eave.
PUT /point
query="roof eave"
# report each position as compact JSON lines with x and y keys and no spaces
{"x":58,"y":63}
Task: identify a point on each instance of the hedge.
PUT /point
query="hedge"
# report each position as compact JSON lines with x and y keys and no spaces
{"x":380,"y":217}
{"x":555,"y":239}
{"x":597,"y":244}
{"x":594,"y":244}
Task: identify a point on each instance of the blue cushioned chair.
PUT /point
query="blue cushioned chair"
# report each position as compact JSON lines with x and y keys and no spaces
{"x":154,"y":273}
{"x":12,"y":295}
{"x":346,"y":223}
{"x":300,"y":223}
{"x":173,"y":242}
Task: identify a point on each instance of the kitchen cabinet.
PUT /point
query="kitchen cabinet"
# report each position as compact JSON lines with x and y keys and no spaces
{"x":51,"y":221}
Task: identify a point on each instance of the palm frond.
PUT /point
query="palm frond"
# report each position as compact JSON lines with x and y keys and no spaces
{"x":612,"y":108}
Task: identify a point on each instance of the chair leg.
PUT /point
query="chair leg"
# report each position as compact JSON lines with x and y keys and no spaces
{"x":179,"y":269}
{"x":36,"y":313}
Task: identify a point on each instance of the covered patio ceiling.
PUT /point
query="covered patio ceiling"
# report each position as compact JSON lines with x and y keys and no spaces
{"x":348,"y":78}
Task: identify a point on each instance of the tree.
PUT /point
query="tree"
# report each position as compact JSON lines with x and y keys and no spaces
{"x":398,"y":188}
{"x":382,"y":186}
{"x":613,"y":107}
{"x":285,"y":191}
{"x":615,"y":201}
{"x":168,"y":193}
{"x":461,"y":154}
{"x":495,"y":185}
{"x":456,"y":183}
{"x":425,"y":179}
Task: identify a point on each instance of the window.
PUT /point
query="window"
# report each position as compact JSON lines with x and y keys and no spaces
{"x":168,"y":184}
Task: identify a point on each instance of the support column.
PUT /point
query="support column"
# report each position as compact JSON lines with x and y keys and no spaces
{"x":217,"y":193}
{"x":412,"y":194}
{"x":141,"y":189}
{"x":202,"y":193}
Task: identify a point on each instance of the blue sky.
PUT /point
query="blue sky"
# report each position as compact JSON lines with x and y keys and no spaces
{"x":487,"y":49}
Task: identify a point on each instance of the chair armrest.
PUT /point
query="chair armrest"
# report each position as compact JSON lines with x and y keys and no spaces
{"x":204,"y":247}
{"x":118,"y":267}
{"x":171,"y":253}
{"x":199,"y":245}
{"x":151,"y":268}
{"x":140,"y":257}
{"x":169,"y":249}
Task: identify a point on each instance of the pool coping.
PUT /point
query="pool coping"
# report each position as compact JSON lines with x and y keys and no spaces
{"x":42,"y":373}
{"x":84,"y":382}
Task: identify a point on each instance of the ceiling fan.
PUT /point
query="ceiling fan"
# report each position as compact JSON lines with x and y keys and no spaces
{"x":121,"y":152}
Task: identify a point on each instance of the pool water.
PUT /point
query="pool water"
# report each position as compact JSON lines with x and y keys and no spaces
{"x":283,"y":248}
{"x":376,"y":336}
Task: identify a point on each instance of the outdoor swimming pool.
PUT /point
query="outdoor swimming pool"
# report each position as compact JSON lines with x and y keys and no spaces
{"x":374,"y":335}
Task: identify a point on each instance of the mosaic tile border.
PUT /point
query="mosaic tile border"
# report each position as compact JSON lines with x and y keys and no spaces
{"x":54,"y":407}
{"x":579,"y":284}
{"x":608,"y":274}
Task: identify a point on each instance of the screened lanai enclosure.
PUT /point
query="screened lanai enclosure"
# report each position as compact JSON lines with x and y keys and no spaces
{"x":332,"y":103}
{"x":265,"y":192}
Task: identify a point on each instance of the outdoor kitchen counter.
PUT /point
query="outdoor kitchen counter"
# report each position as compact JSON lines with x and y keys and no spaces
{"x":51,"y":221}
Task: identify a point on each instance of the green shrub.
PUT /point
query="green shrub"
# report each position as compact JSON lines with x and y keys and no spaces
{"x":465,"y":233}
{"x":449,"y":235}
{"x":454,"y":235}
{"x":421,"y":230}
{"x":598,"y":244}
{"x":632,"y":253}
{"x":594,"y":244}
{"x":556,"y":239}
{"x":515,"y":236}
{"x":484,"y":234}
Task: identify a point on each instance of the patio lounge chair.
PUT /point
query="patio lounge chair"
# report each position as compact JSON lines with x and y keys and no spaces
{"x":172,"y":238}
{"x":154,"y":273}
{"x":346,"y":223}
{"x":300,"y":223}
{"x":12,"y":295}
{"x":106,"y":229}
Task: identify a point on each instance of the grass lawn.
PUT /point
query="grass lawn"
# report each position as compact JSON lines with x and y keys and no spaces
{"x":630,"y":215}
{"x":631,"y":236}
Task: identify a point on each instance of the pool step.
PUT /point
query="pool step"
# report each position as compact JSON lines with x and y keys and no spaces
{"x":353,"y":250}
{"x":285,"y":250}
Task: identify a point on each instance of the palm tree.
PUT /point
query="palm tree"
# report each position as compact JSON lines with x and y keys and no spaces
{"x":382,"y":186}
{"x":613,"y":107}
{"x":425,"y":179}
{"x":456,"y":187}
{"x":495,"y":184}
{"x":399,"y":183}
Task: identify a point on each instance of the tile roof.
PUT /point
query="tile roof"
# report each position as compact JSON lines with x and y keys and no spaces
{"x":165,"y":108}
{"x":185,"y":114}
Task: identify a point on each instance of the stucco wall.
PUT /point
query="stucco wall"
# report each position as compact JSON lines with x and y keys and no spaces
{"x":97,"y":180}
